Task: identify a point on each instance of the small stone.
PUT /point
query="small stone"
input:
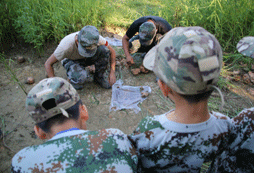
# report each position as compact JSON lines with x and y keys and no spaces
{"x":143,"y":69}
{"x":118,"y":63}
{"x":144,"y":94}
{"x":21,"y":59}
{"x":251,"y":74}
{"x":246,"y":79}
{"x":135,"y":71}
{"x":236,"y":72}
{"x":29,"y":80}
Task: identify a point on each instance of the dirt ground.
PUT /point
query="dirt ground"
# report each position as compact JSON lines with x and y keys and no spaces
{"x":17,"y":126}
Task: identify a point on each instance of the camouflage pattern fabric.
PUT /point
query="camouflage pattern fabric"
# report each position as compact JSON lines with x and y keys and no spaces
{"x":246,"y":46}
{"x":239,"y":156}
{"x":166,"y":146}
{"x":56,"y":88}
{"x":78,"y":75}
{"x":88,"y":38}
{"x":147,"y":32}
{"x":79,"y":151}
{"x":188,"y":59}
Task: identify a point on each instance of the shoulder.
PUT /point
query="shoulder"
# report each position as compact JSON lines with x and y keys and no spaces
{"x":21,"y":159}
{"x":148,"y":123}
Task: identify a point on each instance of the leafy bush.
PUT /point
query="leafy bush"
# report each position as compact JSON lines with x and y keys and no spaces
{"x":38,"y":21}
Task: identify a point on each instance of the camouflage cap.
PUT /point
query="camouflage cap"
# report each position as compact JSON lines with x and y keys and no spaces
{"x":88,"y":38}
{"x":147,"y":32}
{"x":187,"y":59}
{"x":246,"y":46}
{"x":57,"y":89}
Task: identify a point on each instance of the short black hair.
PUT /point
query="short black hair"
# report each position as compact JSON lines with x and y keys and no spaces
{"x":197,"y":97}
{"x":60,"y":118}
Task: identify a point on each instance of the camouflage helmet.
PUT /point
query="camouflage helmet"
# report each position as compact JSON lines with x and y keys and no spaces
{"x":88,"y":38}
{"x":246,"y":46}
{"x":57,"y":89}
{"x":187,"y":59}
{"x":147,"y":32}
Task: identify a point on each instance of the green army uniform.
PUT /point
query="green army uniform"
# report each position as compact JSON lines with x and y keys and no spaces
{"x":167,"y":146}
{"x":239,"y":156}
{"x":73,"y":149}
{"x":79,"y":151}
{"x":189,"y":60}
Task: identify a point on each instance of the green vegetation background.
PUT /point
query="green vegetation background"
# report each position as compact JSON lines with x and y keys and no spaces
{"x":39,"y":21}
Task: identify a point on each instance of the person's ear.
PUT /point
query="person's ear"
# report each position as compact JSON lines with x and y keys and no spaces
{"x":164,"y":88}
{"x":40,"y":133}
{"x":76,"y":40}
{"x":84,"y":113}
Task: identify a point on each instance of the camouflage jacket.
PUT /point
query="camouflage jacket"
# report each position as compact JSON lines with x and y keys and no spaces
{"x":79,"y":151}
{"x":166,"y":146}
{"x":239,"y":156}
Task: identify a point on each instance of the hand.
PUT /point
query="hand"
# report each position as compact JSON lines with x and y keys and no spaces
{"x":130,"y":61}
{"x":112,"y":78}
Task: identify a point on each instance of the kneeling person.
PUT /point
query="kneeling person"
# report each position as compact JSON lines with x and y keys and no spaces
{"x":60,"y":117}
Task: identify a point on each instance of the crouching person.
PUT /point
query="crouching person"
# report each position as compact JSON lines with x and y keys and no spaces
{"x":60,"y":118}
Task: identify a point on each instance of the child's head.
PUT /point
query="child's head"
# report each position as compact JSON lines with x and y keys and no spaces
{"x":187,"y":59}
{"x":53,"y":101}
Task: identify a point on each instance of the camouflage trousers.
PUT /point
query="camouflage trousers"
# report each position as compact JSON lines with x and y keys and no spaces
{"x":78,"y":73}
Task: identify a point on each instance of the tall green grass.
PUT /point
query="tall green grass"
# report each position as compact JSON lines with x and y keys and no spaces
{"x":39,"y":21}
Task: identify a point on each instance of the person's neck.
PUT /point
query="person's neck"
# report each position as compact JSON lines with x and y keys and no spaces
{"x":186,"y":113}
{"x":61,"y":127}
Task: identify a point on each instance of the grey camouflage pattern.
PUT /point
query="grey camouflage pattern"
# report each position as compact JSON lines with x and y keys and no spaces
{"x":246,"y":46}
{"x":163,"y":146}
{"x":51,"y":88}
{"x":88,"y":38}
{"x":147,"y":31}
{"x":239,"y":155}
{"x":79,"y":75}
{"x":88,"y":151}
{"x":189,"y":60}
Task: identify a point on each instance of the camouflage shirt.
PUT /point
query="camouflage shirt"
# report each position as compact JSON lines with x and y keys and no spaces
{"x":79,"y":151}
{"x":239,"y":156}
{"x":167,"y":146}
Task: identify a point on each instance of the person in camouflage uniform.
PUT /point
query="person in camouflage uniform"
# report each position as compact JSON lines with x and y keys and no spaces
{"x":239,"y":157}
{"x":60,"y":117}
{"x":150,"y":29}
{"x":187,"y":61}
{"x":81,"y":49}
{"x":246,"y":46}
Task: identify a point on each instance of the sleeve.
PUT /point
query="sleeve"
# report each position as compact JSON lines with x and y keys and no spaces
{"x":102,"y":41}
{"x":239,"y":156}
{"x":134,"y":28}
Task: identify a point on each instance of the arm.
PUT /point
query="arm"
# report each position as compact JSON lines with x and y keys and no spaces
{"x":112,"y":76}
{"x":49,"y":65}
{"x":125,"y":41}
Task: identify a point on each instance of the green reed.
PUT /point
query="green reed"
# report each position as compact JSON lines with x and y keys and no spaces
{"x":39,"y":21}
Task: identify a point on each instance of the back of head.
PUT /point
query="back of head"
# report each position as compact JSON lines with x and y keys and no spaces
{"x":187,"y":59}
{"x":50,"y":97}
